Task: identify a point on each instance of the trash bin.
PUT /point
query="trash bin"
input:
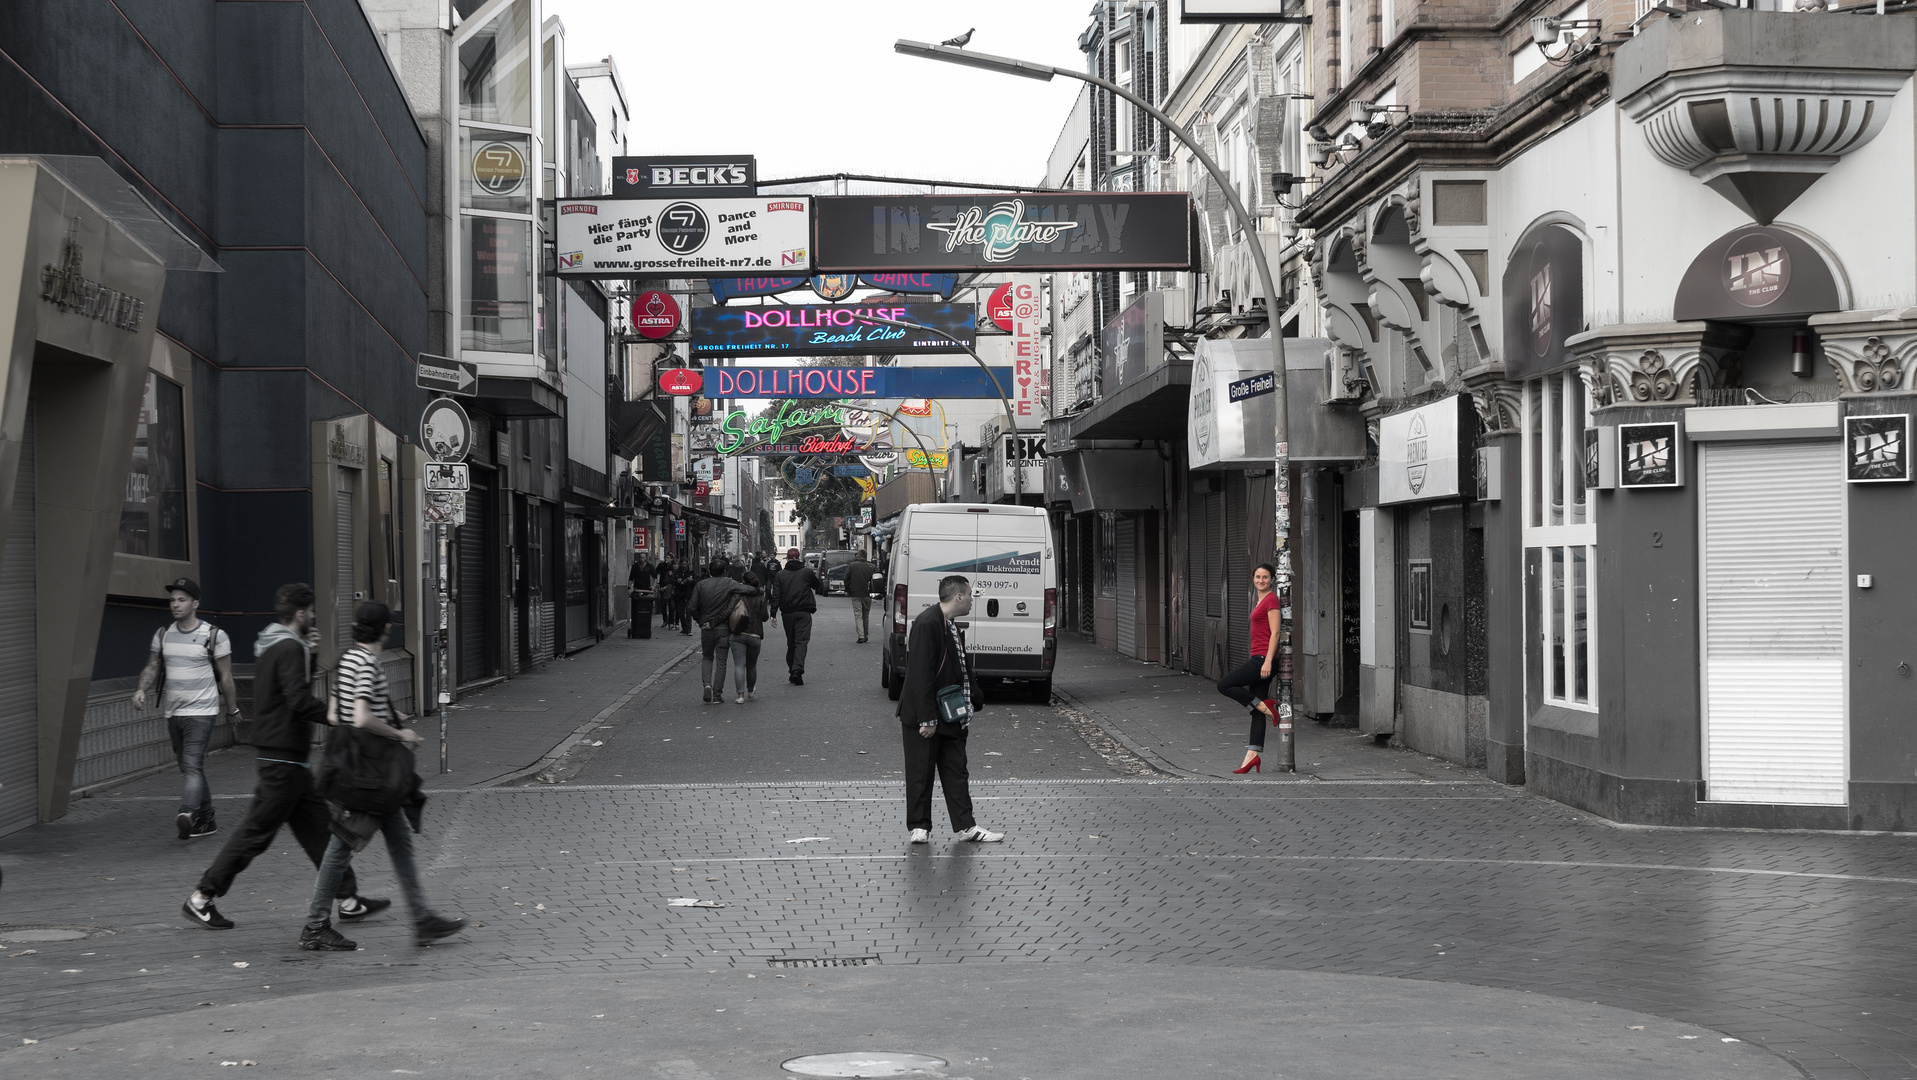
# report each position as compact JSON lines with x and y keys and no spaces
{"x":640,"y":625}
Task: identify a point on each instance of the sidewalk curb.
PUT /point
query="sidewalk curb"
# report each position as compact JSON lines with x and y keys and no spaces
{"x":1110,"y":727}
{"x":579,"y":733}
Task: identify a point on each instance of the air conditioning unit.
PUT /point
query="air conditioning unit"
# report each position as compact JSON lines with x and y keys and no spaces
{"x":1346,"y":379}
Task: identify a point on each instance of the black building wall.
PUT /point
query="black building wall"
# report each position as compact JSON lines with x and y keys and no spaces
{"x":274,"y":135}
{"x":1883,"y":644}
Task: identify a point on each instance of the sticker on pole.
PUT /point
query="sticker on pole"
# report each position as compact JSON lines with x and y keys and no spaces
{"x":445,"y":431}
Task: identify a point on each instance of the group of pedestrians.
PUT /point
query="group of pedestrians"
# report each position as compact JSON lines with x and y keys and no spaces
{"x":193,"y":659}
{"x":733,"y":606}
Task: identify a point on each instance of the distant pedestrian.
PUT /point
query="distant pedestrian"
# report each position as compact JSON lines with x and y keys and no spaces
{"x":858,"y":586}
{"x":285,"y":713}
{"x":1249,"y":682}
{"x":711,"y":607}
{"x":793,"y":596}
{"x":934,"y":660}
{"x":639,"y":597}
{"x":662,"y":583}
{"x":361,"y":699}
{"x":195,"y":658}
{"x":736,"y":569}
{"x":748,"y":635}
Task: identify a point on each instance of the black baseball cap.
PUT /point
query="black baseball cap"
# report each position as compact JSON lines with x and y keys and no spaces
{"x":186,"y":585}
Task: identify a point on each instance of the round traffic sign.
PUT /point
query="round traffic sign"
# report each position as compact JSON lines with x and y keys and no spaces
{"x":445,"y":430}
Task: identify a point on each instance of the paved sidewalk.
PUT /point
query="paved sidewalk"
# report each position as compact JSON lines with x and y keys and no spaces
{"x":495,"y":735}
{"x":1180,"y":724}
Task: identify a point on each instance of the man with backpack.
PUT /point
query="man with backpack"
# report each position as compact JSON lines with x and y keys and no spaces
{"x":285,"y":715}
{"x":195,"y":659}
{"x":711,"y":607}
{"x":792,"y":596}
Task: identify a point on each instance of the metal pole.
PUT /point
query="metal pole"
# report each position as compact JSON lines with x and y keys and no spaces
{"x":445,"y":688}
{"x":1281,"y":463}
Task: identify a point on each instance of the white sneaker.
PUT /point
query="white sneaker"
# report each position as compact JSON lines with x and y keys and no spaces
{"x":921,"y":836}
{"x":979,"y":834}
{"x":741,"y":700}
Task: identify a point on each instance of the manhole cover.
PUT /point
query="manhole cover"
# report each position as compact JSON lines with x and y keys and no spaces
{"x":22,"y":935}
{"x":863,"y":1063}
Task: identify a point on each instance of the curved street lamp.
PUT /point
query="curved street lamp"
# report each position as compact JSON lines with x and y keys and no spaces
{"x":1006,"y":65}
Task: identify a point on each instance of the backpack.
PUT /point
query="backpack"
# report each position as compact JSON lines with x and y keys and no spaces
{"x":741,"y":617}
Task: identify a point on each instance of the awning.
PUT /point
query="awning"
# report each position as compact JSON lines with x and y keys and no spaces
{"x":1118,"y":480}
{"x":707,"y":515}
{"x":1231,"y":413}
{"x":521,"y":399}
{"x":1152,"y":408}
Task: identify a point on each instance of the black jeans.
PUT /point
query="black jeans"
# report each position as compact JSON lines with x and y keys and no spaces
{"x":1247,"y":684}
{"x":798,"y":633}
{"x":944,"y":753}
{"x":283,"y":795}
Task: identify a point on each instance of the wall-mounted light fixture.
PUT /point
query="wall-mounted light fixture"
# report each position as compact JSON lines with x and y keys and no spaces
{"x":1547,"y":31}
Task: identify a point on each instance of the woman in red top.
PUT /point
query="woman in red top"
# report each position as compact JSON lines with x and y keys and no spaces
{"x":1250,"y":681}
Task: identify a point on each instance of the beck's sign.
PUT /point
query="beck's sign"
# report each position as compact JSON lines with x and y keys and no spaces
{"x":697,"y":237}
{"x":828,"y":330}
{"x":656,"y":177}
{"x":1088,"y":231}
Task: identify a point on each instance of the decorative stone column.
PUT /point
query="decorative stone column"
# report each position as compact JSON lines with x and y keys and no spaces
{"x":1872,"y":351}
{"x":1658,"y":363}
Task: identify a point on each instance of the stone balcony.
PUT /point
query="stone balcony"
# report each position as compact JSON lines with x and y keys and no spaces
{"x":1759,"y":104}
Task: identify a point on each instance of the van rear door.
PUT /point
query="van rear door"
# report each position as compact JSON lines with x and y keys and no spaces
{"x":1008,"y":589}
{"x":933,"y":542}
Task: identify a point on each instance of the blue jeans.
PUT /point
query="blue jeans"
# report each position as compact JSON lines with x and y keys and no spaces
{"x":399,"y":844}
{"x":190,"y":735}
{"x":745,"y":661}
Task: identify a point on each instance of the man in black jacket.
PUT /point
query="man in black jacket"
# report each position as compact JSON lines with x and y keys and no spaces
{"x":792,"y":597}
{"x":285,"y":711}
{"x":858,"y":587}
{"x":711,"y":607}
{"x":934,"y":659}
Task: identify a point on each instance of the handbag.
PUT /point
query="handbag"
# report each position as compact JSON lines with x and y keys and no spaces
{"x":954,"y":702}
{"x":362,"y":771}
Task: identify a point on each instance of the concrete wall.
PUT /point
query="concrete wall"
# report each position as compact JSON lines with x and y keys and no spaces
{"x":1883,"y":645}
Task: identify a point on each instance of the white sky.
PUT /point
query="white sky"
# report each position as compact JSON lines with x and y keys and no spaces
{"x":815,"y":88}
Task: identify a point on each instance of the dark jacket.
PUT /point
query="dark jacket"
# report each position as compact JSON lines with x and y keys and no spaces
{"x":930,"y":665}
{"x":284,"y":708}
{"x":640,"y":577}
{"x":858,"y":578}
{"x":712,"y":600}
{"x":793,"y":588}
{"x":756,"y":610}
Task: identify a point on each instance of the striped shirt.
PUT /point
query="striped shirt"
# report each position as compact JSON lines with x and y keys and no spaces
{"x":361,"y":676}
{"x":192,"y":687}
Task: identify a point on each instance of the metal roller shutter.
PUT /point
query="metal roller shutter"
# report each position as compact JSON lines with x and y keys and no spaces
{"x":344,"y":580}
{"x":1774,"y":597}
{"x":1198,"y":560}
{"x":19,"y":660}
{"x":1126,"y":592}
{"x":1237,"y":572}
{"x":475,"y":599}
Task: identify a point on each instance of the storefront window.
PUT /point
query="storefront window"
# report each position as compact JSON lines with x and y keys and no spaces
{"x":498,"y":305}
{"x":153,"y":518}
{"x":495,"y":170}
{"x":495,"y":70}
{"x":1559,"y":528}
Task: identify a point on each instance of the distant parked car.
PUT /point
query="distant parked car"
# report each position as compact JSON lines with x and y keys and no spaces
{"x":835,"y":579}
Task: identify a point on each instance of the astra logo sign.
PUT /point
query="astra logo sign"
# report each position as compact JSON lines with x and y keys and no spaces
{"x":654,"y":177}
{"x":998,"y":233}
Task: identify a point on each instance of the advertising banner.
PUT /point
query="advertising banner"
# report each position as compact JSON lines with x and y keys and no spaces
{"x":940,"y":285}
{"x":828,"y":329}
{"x":1543,"y":300}
{"x":693,"y":237}
{"x":659,"y":177}
{"x":1031,"y":368}
{"x":1421,"y":453}
{"x":849,"y":382}
{"x":1089,"y":230}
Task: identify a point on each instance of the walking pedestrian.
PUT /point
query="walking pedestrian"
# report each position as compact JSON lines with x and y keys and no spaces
{"x":711,"y":606}
{"x":748,"y":636}
{"x":284,"y":715}
{"x":639,"y":598}
{"x":361,"y":700}
{"x":793,"y":596}
{"x":682,"y":588}
{"x":1249,"y":682}
{"x":195,"y":658}
{"x":934,"y":660}
{"x":858,"y":586}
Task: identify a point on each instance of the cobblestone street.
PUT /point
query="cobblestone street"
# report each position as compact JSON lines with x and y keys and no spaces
{"x":1384,"y":911}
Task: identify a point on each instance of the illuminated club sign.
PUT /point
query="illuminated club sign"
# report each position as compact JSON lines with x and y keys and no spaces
{"x":969,"y":381}
{"x":829,"y":330}
{"x":1076,"y":231}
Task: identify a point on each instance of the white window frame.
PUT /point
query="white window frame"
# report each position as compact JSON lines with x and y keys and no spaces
{"x":1553,"y":450}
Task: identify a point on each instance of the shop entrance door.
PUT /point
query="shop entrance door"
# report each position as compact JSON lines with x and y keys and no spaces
{"x":19,"y":654}
{"x":1772,"y":548}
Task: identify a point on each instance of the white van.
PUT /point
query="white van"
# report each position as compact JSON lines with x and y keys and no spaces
{"x":1006,"y":552}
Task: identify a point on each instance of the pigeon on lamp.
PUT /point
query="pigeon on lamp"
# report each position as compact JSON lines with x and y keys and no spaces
{"x":960,"y":41}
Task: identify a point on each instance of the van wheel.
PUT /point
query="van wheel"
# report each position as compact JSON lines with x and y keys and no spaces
{"x":893,"y":687}
{"x":885,"y":674}
{"x":1042,"y":692}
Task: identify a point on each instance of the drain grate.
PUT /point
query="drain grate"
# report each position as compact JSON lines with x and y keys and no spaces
{"x":44,"y":934}
{"x":822,"y":961}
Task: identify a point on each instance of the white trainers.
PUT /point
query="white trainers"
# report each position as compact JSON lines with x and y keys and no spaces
{"x":741,"y":700}
{"x":979,"y":834}
{"x":921,"y":836}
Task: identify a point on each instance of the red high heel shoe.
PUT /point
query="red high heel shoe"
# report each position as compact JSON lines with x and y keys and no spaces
{"x":1256,"y":764}
{"x":1271,"y":710}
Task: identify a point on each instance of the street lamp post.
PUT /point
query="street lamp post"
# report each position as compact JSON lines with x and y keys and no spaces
{"x":1011,"y":422}
{"x":1281,"y":464}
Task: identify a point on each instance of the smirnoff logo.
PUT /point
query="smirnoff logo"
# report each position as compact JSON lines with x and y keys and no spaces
{"x":1757,"y":269}
{"x":999,"y":232}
